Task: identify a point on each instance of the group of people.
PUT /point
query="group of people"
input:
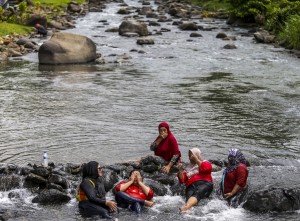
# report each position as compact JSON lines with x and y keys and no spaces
{"x":134,"y":194}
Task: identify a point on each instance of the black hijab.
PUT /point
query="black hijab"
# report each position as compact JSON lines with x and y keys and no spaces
{"x":90,"y":170}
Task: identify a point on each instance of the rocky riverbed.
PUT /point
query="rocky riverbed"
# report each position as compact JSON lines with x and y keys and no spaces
{"x":273,"y":186}
{"x":15,"y":45}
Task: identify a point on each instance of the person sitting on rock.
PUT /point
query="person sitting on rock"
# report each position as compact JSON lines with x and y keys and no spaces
{"x":165,"y":146}
{"x":41,"y":30}
{"x":91,"y":193}
{"x":234,"y":178}
{"x":197,"y":178}
{"x":134,"y":194}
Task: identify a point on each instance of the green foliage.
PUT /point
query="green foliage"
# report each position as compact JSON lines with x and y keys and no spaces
{"x":22,"y":7}
{"x":291,"y":31}
{"x":279,"y":12}
{"x":56,"y":3}
{"x":246,"y":8}
{"x":7,"y":28}
{"x":211,"y":5}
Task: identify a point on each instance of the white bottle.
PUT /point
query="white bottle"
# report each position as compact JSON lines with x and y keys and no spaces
{"x":45,"y":157}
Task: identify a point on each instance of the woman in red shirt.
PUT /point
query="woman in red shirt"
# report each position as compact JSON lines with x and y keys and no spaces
{"x":165,"y":146}
{"x":134,"y":194}
{"x":234,"y":179}
{"x":197,"y":178}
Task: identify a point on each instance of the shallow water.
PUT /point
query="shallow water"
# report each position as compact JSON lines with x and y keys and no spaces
{"x":213,"y":98}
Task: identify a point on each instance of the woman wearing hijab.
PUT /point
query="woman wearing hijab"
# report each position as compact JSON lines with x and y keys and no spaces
{"x":197,"y":178}
{"x":234,"y":179}
{"x":91,"y":193}
{"x":165,"y":146}
{"x":134,"y":194}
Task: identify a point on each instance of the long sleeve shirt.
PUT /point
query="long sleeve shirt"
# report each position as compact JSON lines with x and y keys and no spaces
{"x":238,"y":176}
{"x":204,"y":173}
{"x":91,"y":192}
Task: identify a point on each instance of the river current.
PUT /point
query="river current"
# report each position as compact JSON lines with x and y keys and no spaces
{"x":213,"y":98}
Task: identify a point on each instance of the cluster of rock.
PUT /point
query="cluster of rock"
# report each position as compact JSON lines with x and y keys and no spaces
{"x":16,"y":45}
{"x":57,"y":50}
{"x":57,"y":184}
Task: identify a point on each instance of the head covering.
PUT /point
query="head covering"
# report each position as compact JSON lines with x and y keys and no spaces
{"x":37,"y":25}
{"x":168,"y":147}
{"x":235,"y":157}
{"x":193,"y":168}
{"x":90,"y":170}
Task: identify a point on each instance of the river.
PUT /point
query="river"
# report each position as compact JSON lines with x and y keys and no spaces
{"x":213,"y":98}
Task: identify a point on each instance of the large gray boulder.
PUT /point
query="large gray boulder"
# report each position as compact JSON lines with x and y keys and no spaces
{"x":133,"y":26}
{"x":274,"y":188}
{"x":67,"y":48}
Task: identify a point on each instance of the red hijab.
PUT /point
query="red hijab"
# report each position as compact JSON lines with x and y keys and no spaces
{"x":168,"y":147}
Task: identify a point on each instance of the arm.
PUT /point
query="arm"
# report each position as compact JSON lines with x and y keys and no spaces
{"x":124,"y":186}
{"x":234,"y":191}
{"x":176,"y":155}
{"x":182,"y":174}
{"x":154,"y":145}
{"x":144,"y":188}
{"x":241,"y":181}
{"x":91,"y":193}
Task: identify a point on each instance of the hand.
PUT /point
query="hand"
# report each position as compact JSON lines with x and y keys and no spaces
{"x":140,"y":179}
{"x":112,"y":206}
{"x":228,"y":195}
{"x":164,"y":135}
{"x":180,"y":167}
{"x":132,"y":177}
{"x":166,"y":169}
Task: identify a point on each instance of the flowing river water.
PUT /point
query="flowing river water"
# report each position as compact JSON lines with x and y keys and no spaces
{"x":213,"y":98}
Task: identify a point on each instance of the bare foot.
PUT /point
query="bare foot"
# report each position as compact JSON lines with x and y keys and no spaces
{"x":183,"y":209}
{"x":149,"y":203}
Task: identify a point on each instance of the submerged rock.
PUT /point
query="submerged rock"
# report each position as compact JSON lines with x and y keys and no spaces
{"x":133,"y":27}
{"x":51,"y":196}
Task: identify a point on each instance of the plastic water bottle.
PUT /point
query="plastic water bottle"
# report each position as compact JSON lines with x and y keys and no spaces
{"x":45,"y":157}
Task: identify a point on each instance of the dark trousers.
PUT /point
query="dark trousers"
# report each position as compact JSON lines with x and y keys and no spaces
{"x":199,"y":189}
{"x":88,"y":209}
{"x":126,"y":201}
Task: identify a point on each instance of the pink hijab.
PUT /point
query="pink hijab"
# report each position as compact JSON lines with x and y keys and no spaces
{"x":193,"y":169}
{"x":168,"y":147}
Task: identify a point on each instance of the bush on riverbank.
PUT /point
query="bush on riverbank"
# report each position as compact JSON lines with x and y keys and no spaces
{"x":281,"y":17}
{"x":291,"y":32}
{"x":13,"y":21}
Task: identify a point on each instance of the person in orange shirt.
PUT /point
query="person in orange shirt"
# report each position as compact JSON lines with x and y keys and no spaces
{"x":134,"y":194}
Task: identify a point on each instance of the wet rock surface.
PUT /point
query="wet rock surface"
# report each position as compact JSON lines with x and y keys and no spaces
{"x":270,"y":188}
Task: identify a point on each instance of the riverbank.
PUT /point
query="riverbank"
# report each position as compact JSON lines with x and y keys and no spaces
{"x":17,"y":45}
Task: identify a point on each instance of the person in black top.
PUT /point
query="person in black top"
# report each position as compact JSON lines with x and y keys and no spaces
{"x":91,"y":193}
